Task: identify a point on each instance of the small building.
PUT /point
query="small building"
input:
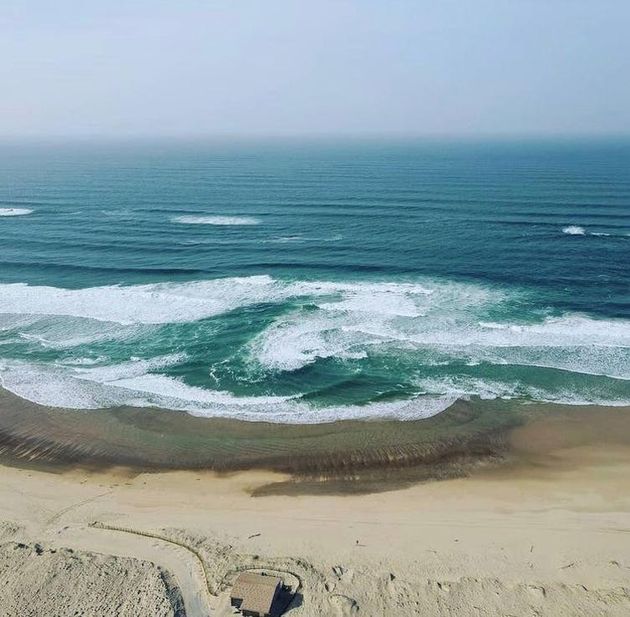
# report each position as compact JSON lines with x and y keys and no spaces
{"x":254,"y":594}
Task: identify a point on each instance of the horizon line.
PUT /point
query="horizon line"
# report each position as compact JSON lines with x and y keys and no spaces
{"x":367,"y":136}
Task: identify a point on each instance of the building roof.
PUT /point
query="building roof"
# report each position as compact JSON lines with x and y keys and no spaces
{"x":257,"y":591}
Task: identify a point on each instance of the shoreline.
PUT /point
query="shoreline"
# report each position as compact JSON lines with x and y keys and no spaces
{"x":344,"y":457}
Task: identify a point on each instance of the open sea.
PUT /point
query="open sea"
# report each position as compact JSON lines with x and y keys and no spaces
{"x":309,"y":281}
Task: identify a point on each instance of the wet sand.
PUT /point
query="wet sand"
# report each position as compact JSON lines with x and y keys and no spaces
{"x":350,"y":456}
{"x":152,"y":439}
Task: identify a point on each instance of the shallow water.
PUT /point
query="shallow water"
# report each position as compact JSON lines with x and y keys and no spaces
{"x":305,"y":282}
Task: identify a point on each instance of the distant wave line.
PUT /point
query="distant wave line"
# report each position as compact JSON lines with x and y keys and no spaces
{"x":578,"y":230}
{"x":215,"y":220}
{"x":83,"y":268}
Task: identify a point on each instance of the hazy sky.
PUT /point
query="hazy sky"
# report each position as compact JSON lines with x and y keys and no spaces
{"x":196,"y":67}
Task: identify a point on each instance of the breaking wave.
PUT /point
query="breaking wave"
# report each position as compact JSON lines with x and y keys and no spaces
{"x":128,"y":385}
{"x":574,"y":230}
{"x":441,"y":339}
{"x":140,"y":304}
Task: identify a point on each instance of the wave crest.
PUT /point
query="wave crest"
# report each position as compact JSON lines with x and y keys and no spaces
{"x":215,"y":220}
{"x":574,"y":230}
{"x":15,"y":211}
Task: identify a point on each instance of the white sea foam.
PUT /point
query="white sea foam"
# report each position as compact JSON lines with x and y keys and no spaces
{"x":185,"y":302}
{"x":127,"y":384}
{"x":574,"y":230}
{"x":440,"y":321}
{"x":287,"y":240}
{"x":298,"y":239}
{"x":133,"y":369}
{"x":14,"y":211}
{"x":465,"y":387}
{"x":139,"y":304}
{"x":92,"y":389}
{"x":433,"y":323}
{"x":576,"y":344}
{"x":351,"y":320}
{"x":215,"y":220}
{"x":99,"y":360}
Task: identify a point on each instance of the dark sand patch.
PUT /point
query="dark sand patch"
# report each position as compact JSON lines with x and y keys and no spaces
{"x":154,"y":439}
{"x":349,"y":456}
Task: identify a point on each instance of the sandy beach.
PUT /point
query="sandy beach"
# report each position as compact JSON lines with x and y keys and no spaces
{"x":547,"y":532}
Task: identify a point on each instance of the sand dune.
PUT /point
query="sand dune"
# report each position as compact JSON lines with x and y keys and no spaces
{"x":37,"y":580}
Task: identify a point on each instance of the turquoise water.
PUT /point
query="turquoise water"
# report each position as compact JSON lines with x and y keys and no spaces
{"x":308,"y":281}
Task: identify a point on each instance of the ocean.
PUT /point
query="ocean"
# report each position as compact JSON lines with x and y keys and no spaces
{"x":309,"y":281}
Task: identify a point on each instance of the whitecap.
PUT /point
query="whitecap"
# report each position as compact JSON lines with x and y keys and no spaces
{"x":215,"y":220}
{"x":301,"y":239}
{"x":14,"y":211}
{"x":574,"y":230}
{"x":287,"y":240}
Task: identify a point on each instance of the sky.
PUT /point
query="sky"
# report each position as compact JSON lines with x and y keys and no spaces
{"x":120,"y":68}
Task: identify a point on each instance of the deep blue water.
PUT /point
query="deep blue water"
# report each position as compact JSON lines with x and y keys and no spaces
{"x":312,"y":280}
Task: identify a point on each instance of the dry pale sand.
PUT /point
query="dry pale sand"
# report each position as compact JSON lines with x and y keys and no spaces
{"x":548,"y":536}
{"x":49,"y":581}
